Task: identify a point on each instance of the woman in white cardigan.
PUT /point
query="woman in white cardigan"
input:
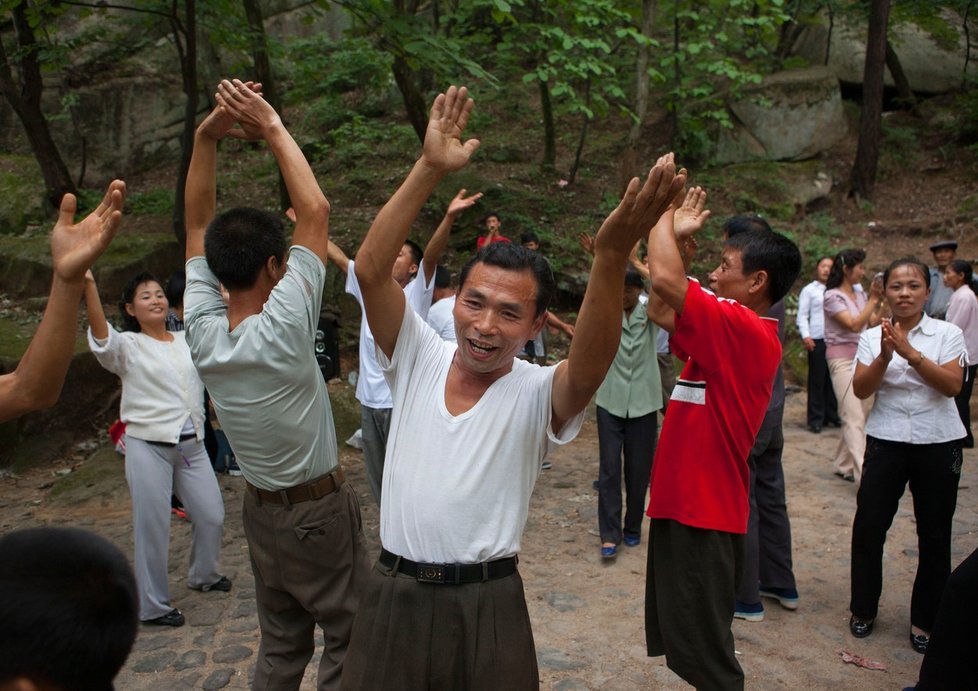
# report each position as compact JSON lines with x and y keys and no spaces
{"x":962,"y":311}
{"x":162,"y":406}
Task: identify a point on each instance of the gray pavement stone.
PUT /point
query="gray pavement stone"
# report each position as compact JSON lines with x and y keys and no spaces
{"x":205,"y":614}
{"x":218,"y":679}
{"x":564,"y":602}
{"x":245,"y":593}
{"x":147,"y":643}
{"x":187,"y":683}
{"x":245,"y":609}
{"x":242,"y":626}
{"x":205,"y":639}
{"x":190,"y":659}
{"x":571,"y":685}
{"x":155,"y":662}
{"x":232,"y":653}
{"x":551,"y":658}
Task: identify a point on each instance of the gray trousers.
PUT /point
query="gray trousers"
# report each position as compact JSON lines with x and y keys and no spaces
{"x":636,"y":438}
{"x":768,"y":556}
{"x":154,"y":472}
{"x":375,"y":426}
{"x":310,"y":563}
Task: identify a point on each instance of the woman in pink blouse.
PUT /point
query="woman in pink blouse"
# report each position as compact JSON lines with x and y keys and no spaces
{"x":962,"y":311}
{"x":848,"y":313}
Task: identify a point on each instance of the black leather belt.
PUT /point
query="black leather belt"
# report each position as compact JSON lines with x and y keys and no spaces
{"x":314,"y":489}
{"x":170,"y":445}
{"x":450,"y":574}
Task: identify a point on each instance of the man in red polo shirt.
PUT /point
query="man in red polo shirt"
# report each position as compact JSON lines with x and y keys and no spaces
{"x":699,"y":495}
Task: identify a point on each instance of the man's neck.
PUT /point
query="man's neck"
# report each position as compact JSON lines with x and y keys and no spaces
{"x":245,"y":303}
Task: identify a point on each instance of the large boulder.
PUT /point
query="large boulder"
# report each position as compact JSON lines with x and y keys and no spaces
{"x":931,"y":66}
{"x":790,"y":116}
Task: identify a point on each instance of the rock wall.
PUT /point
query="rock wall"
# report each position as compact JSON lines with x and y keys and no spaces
{"x":930,"y":67}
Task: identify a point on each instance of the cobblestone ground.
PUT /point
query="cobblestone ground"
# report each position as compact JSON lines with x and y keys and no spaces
{"x":586,"y":613}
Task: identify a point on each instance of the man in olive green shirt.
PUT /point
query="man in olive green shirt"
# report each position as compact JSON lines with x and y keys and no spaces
{"x":627,"y":403}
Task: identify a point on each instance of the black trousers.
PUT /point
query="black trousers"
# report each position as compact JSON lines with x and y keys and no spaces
{"x":822,"y":406}
{"x":933,"y":472}
{"x":963,"y":402}
{"x":636,"y":437}
{"x":950,"y":662}
{"x":768,"y":557}
{"x":689,"y":602}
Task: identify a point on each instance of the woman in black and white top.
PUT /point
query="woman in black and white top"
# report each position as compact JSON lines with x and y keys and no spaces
{"x":162,"y":406}
{"x":913,"y":435}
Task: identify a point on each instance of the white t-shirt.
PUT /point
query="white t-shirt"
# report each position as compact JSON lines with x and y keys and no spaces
{"x":906,"y":408}
{"x":263,"y":378}
{"x":372,"y":390}
{"x":457,"y":488}
{"x":441,"y":319}
{"x":161,"y":392}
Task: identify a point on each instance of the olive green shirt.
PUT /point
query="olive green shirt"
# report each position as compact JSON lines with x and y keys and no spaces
{"x":632,"y":387}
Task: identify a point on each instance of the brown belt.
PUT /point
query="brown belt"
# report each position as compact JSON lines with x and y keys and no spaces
{"x":307,"y":491}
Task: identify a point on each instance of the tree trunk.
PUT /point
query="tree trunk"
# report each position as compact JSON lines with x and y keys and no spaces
{"x":677,"y":81}
{"x":264,"y":74}
{"x":188,"y":72}
{"x":863,"y":178}
{"x":549,"y":130}
{"x":580,"y":142}
{"x":904,"y":92}
{"x":25,"y":99}
{"x":414,"y":104}
{"x":630,"y":163}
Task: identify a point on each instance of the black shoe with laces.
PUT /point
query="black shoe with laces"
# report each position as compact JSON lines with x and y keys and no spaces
{"x":223,"y":585}
{"x":171,"y":618}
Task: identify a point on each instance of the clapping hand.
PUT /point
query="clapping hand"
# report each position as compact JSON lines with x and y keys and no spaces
{"x":243,"y":102}
{"x":220,"y":122}
{"x":76,"y":246}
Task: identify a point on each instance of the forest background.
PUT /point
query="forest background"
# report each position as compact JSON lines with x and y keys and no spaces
{"x":572,"y":99}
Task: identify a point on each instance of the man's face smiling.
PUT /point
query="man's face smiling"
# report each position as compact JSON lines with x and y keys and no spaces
{"x":404,"y":266}
{"x":728,"y":280}
{"x":943,"y":257}
{"x":495,"y":315}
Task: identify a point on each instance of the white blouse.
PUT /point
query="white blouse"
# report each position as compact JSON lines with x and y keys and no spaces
{"x":160,"y":387}
{"x":907,"y":409}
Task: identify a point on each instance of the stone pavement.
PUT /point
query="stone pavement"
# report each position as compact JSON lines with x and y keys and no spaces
{"x":586,"y":612}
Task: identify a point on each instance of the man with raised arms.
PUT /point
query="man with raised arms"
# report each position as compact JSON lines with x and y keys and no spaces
{"x":444,"y":606}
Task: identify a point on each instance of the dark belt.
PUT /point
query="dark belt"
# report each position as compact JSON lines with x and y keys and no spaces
{"x":314,"y":489}
{"x":450,"y":574}
{"x":170,"y":445}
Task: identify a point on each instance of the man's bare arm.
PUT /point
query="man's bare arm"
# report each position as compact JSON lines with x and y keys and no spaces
{"x":311,"y":208}
{"x":435,"y":248}
{"x":597,"y":332}
{"x":443,"y":153}
{"x":667,"y":262}
{"x":40,"y":374}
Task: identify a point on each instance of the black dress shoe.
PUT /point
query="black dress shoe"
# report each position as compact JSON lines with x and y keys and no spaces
{"x":860,"y":628}
{"x":919,"y":642}
{"x":815,"y":428}
{"x":171,"y":618}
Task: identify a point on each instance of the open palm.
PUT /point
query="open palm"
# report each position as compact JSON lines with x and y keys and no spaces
{"x":76,"y":246}
{"x":443,"y":146}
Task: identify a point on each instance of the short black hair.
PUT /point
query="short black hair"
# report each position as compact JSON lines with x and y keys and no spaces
{"x":68,"y":606}
{"x":529,"y":236}
{"x":634,"y":278}
{"x":512,"y":257}
{"x":443,"y":277}
{"x":846,"y":259}
{"x":908,"y":261}
{"x":491,"y":214}
{"x":771,"y":252}
{"x":129,"y":322}
{"x":735,"y":225}
{"x":417,"y":254}
{"x":239,"y":242}
{"x":175,"y":286}
{"x":960,"y":266}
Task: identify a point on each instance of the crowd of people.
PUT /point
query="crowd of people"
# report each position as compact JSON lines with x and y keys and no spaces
{"x":460,"y":409}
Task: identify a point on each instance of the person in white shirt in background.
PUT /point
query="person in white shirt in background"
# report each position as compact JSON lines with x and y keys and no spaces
{"x":163,"y":408}
{"x":443,"y":302}
{"x":822,"y":406}
{"x":962,"y":311}
{"x":914,"y":366}
{"x":414,"y":271}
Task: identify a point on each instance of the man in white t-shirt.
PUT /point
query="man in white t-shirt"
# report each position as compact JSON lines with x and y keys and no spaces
{"x":442,"y":305}
{"x":255,"y":355}
{"x":413,"y":271}
{"x":444,"y":605}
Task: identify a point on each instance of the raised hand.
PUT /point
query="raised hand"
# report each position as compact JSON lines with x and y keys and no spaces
{"x":641,"y":207}
{"x":586,"y":242}
{"x":76,"y":246}
{"x":460,"y":203}
{"x":691,"y":216}
{"x":219,"y":122}
{"x":246,"y":106}
{"x":443,"y":147}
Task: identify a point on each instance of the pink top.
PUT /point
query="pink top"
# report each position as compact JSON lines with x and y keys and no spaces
{"x":840,"y":342}
{"x":962,"y":311}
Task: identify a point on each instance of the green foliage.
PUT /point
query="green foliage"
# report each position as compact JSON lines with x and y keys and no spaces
{"x":156,"y":201}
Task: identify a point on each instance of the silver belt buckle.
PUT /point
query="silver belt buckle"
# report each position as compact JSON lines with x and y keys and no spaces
{"x":431,"y":573}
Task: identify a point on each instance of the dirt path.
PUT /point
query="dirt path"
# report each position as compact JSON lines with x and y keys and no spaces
{"x":587,"y":613}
